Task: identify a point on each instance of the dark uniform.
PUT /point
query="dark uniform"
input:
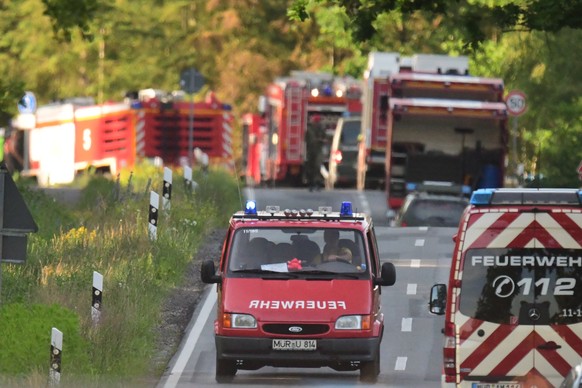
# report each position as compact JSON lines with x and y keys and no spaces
{"x":314,"y":141}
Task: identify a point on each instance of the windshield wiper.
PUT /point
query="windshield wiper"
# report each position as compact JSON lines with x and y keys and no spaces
{"x":268,"y":273}
{"x":331,"y":274}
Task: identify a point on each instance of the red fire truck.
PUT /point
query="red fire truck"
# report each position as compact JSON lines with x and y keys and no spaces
{"x":288,"y":105}
{"x":440,"y":123}
{"x":60,"y":140}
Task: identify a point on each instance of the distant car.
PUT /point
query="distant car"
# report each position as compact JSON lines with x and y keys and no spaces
{"x":343,"y":154}
{"x":424,"y":209}
{"x":574,"y":378}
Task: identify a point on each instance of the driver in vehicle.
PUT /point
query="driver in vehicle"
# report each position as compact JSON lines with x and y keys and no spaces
{"x":331,"y":250}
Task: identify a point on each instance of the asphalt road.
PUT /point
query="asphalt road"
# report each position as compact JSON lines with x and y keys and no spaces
{"x":411,"y":353}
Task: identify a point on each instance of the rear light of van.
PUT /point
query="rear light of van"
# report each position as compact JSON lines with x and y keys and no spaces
{"x":337,"y":156}
{"x":449,"y":351}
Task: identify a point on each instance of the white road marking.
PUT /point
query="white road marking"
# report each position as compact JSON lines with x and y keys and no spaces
{"x":191,"y":340}
{"x":400,"y":363}
{"x":419,"y":242}
{"x":415,"y":263}
{"x":423,"y":228}
{"x":406,"y":324}
{"x":411,"y":289}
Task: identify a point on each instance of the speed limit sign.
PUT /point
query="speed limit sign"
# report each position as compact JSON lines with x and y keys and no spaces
{"x":515,"y":102}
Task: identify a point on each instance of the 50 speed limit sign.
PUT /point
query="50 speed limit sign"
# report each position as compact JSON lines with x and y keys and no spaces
{"x":515,"y":102}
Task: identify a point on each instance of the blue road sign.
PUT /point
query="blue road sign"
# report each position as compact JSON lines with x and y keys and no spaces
{"x":27,"y":103}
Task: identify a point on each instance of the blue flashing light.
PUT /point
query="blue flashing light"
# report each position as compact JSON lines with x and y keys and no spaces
{"x":580,"y":196}
{"x":411,"y":186}
{"x":346,"y":209}
{"x":251,"y":207}
{"x":482,"y":197}
{"x":327,"y":90}
{"x":466,"y":189}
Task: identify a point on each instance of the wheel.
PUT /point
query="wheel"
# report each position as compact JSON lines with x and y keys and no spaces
{"x":370,"y":370}
{"x":225,"y":370}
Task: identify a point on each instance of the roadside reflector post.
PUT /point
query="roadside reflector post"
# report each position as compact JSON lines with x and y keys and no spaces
{"x":97,"y":297}
{"x":153,"y":215}
{"x":188,"y":182}
{"x":56,"y":356}
{"x":167,"y":190}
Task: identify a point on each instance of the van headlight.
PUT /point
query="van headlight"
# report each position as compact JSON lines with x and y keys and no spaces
{"x":239,"y":321}
{"x":353,"y":322}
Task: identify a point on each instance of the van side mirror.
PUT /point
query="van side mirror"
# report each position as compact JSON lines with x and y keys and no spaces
{"x":387,"y":275}
{"x":208,"y":272}
{"x":438,"y":299}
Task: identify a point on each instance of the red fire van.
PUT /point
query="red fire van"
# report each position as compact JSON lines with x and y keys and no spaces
{"x":299,"y":288}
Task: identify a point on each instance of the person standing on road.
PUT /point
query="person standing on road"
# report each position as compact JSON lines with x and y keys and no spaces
{"x":314,"y":141}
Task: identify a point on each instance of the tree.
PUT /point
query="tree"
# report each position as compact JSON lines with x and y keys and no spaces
{"x":479,"y":21}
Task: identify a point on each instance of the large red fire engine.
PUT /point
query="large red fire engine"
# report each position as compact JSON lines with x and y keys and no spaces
{"x":60,"y":140}
{"x":424,"y":118}
{"x":276,"y":150}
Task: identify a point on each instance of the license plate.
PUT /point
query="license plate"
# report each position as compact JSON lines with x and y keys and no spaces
{"x":496,"y":385}
{"x":294,"y":344}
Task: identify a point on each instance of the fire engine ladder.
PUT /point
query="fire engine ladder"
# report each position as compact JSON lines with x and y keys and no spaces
{"x":294,"y":122}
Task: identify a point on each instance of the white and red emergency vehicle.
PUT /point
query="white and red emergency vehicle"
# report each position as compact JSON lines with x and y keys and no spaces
{"x":289,"y":104}
{"x":62,"y":139}
{"x":286,"y":300}
{"x":513,"y":304}
{"x":425,"y":119}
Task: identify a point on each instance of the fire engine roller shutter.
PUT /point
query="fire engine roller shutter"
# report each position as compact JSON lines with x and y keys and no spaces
{"x":491,"y":348}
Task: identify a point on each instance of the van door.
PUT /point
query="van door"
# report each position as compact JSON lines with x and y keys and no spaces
{"x":557,"y":289}
{"x":521,"y":290}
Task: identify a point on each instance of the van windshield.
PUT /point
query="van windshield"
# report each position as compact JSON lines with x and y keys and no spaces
{"x":350,"y":132}
{"x":528,"y":286}
{"x":257,"y":252}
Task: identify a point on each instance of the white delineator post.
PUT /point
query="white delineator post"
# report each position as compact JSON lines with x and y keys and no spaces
{"x":153,"y":215}
{"x":56,"y":356}
{"x":167,"y":190}
{"x":97,"y":297}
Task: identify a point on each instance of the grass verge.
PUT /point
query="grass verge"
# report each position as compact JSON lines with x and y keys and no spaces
{"x":106,"y":232}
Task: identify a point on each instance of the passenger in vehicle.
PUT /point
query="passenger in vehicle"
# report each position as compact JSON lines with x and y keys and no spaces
{"x":256,"y":253}
{"x":332,"y":250}
{"x":307,"y":251}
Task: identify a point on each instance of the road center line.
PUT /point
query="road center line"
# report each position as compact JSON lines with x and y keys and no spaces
{"x":415,"y":263}
{"x":411,"y":289}
{"x":419,"y":242}
{"x":406,"y":324}
{"x":400,"y":363}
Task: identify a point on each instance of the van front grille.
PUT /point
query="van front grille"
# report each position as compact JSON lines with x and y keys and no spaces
{"x":295,"y":329}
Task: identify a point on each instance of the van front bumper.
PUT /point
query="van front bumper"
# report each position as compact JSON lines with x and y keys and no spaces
{"x":337,"y":353}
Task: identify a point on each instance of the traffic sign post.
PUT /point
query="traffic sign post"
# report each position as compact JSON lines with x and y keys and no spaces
{"x":516,"y":106}
{"x":515,"y":102}
{"x":191,"y":81}
{"x":15,"y":222}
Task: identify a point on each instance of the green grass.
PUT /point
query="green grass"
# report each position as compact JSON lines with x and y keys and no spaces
{"x":106,"y":232}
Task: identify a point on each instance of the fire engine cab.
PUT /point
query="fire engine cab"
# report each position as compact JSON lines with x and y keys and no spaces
{"x":513,"y":305}
{"x":299,"y":288}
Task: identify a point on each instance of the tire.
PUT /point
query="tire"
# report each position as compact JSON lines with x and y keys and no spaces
{"x":225,"y":370}
{"x":370,"y":370}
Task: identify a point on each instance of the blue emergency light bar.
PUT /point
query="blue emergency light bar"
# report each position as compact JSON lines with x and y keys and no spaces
{"x":275,"y":213}
{"x":519,"y":196}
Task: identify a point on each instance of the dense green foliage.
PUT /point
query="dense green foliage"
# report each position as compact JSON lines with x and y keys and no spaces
{"x":103,"y":48}
{"x":107,"y":232}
